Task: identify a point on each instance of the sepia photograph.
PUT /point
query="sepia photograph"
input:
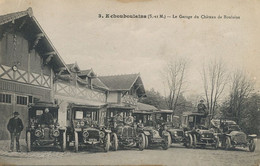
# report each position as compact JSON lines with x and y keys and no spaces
{"x":130,"y":82}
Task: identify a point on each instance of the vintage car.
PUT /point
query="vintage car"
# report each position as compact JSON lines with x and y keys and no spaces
{"x":232,"y":136}
{"x":86,"y":126}
{"x":124,"y":132}
{"x":173,"y":125}
{"x":44,"y":132}
{"x":197,"y":132}
{"x":155,"y":134}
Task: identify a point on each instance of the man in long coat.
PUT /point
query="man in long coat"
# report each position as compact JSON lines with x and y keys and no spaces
{"x":15,"y":126}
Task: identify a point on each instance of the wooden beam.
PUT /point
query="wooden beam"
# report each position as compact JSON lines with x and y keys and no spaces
{"x":48,"y":59}
{"x":49,"y":53}
{"x":22,"y":24}
{"x":37,"y":39}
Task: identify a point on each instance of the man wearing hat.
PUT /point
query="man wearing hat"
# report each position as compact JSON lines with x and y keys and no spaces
{"x":15,"y":126}
{"x":201,"y":107}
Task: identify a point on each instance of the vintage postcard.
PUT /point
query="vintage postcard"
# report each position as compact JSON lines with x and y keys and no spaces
{"x":130,"y":82}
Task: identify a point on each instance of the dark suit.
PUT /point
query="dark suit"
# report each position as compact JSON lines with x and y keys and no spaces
{"x":15,"y":126}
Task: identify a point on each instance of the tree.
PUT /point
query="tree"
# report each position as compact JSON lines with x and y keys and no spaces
{"x":154,"y":98}
{"x":174,"y":75}
{"x":241,"y":87}
{"x":214,"y":80}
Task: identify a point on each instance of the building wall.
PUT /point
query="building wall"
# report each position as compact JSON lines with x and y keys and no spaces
{"x":30,"y":80}
{"x":66,"y":92}
{"x":112,"y":97}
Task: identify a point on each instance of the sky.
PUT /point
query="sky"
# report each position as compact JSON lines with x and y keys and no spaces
{"x":125,"y":46}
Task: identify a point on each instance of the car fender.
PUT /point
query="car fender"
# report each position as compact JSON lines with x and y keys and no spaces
{"x":77,"y":129}
{"x":62,"y":128}
{"x":146,"y":133}
{"x":107,"y":131}
{"x":252,"y":136}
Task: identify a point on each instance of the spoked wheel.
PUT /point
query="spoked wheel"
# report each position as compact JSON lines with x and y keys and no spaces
{"x":28,"y":136}
{"x":216,"y":143}
{"x":166,"y":143}
{"x":194,"y":141}
{"x":228,"y":143}
{"x":189,"y":141}
{"x":146,"y":142}
{"x":252,"y":145}
{"x":141,"y":142}
{"x":114,"y":142}
{"x":107,"y":142}
{"x":76,"y":143}
{"x":64,"y":142}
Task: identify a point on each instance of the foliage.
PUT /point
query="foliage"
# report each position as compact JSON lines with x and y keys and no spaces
{"x":249,"y":118}
{"x":154,"y":98}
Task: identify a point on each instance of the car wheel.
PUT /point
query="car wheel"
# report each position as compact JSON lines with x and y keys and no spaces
{"x":228,"y":143}
{"x":28,"y":136}
{"x":63,"y":143}
{"x":216,"y":143}
{"x":76,"y":143}
{"x":189,"y":141}
{"x":252,"y":145}
{"x":107,"y":142}
{"x":146,"y":142}
{"x":114,"y":142}
{"x":166,"y":142}
{"x":141,"y":142}
{"x":194,"y":141}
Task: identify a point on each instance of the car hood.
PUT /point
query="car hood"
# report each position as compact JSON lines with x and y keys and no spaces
{"x":205,"y":131}
{"x":235,"y":133}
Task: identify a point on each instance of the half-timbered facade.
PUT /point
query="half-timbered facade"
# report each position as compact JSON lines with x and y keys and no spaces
{"x":78,"y":87}
{"x":28,"y":63}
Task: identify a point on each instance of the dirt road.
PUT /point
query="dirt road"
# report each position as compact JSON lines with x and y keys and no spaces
{"x":176,"y":155}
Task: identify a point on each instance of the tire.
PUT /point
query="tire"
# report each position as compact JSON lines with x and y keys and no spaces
{"x":64,"y":142}
{"x":114,"y":142}
{"x":166,"y":142}
{"x":217,"y":143}
{"x":194,"y":141}
{"x":141,"y":141}
{"x":252,"y":145}
{"x":107,"y":142}
{"x":28,"y":136}
{"x":170,"y":139}
{"x":189,"y":141}
{"x":76,"y":143}
{"x":146,"y":142}
{"x":228,"y":143}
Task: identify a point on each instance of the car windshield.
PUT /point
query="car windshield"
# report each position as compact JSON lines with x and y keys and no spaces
{"x":83,"y":114}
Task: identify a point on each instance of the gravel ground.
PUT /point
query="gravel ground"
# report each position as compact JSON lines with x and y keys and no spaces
{"x":176,"y":155}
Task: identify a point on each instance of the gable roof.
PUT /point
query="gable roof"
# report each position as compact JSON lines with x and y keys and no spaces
{"x":73,"y":67}
{"x":88,"y":73}
{"x":34,"y":28}
{"x":124,"y":83}
{"x":119,"y":82}
{"x":13,"y":16}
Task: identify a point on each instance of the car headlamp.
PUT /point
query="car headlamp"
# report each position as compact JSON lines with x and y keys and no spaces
{"x":82,"y":123}
{"x":202,"y":135}
{"x":38,"y":133}
{"x":56,"y":133}
{"x":101,"y":134}
{"x":52,"y":126}
{"x":85,"y":134}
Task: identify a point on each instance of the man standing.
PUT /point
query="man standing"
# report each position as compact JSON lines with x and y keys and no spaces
{"x":15,"y":126}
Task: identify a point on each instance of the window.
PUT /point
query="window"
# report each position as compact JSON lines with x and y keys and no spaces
{"x":22,"y":100}
{"x":5,"y":98}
